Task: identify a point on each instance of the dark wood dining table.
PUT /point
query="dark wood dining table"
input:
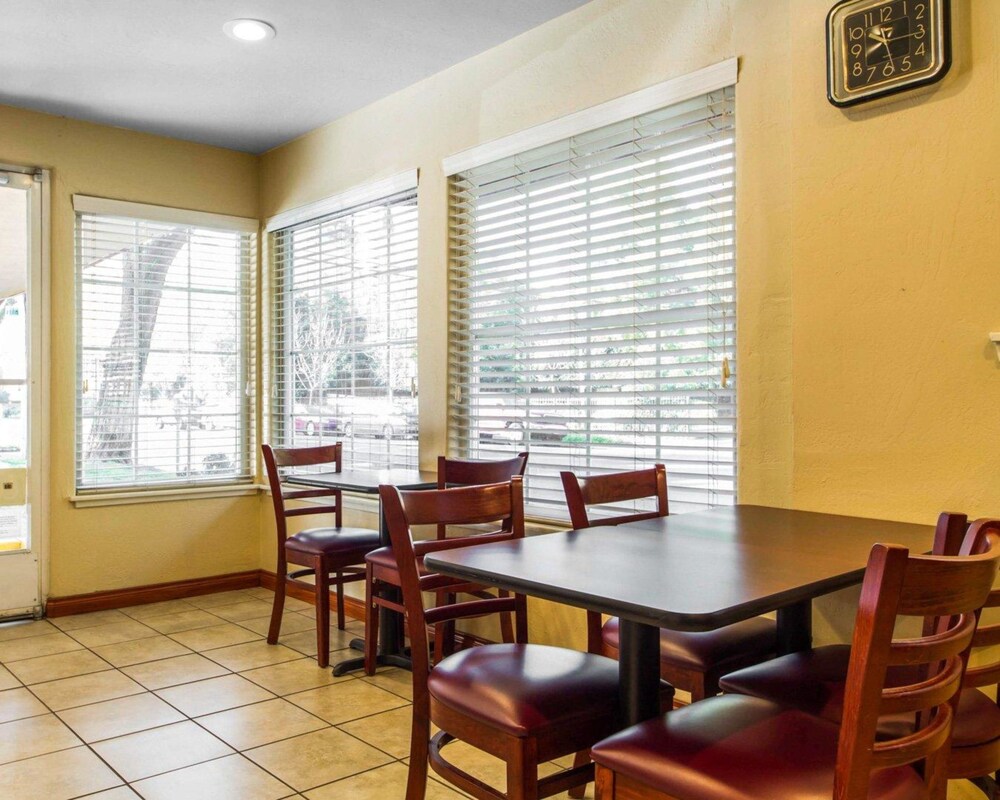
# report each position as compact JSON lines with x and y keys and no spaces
{"x":366,"y":482}
{"x":687,"y":572}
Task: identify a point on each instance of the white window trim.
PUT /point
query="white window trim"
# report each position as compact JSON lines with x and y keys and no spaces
{"x":355,"y":196}
{"x":660,"y":95}
{"x":129,"y":497}
{"x":86,"y":204}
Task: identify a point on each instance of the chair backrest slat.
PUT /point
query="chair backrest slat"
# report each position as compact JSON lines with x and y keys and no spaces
{"x":615,"y":488}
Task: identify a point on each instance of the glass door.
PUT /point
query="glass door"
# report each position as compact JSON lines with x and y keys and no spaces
{"x":22,"y":495}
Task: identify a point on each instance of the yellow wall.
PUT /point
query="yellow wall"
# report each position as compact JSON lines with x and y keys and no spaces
{"x":117,"y":546}
{"x":867,"y":240}
{"x":868,"y":276}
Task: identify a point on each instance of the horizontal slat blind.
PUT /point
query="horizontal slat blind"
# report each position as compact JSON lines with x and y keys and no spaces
{"x":165,"y":352}
{"x":592,"y":305}
{"x":344,"y":333}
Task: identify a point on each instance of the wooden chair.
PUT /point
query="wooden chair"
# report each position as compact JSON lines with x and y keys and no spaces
{"x":693,"y":662}
{"x":332,"y":555}
{"x":525,"y":704}
{"x":739,"y":747}
{"x":815,"y":681}
{"x":381,"y":572}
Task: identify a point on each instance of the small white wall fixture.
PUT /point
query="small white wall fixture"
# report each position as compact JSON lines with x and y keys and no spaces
{"x":995,"y":338}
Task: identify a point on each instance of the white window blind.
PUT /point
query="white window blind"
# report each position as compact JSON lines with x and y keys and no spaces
{"x":592,"y":307}
{"x":165,"y":337}
{"x":344,"y":333}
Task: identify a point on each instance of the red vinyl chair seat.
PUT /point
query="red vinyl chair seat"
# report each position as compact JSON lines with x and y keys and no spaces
{"x":813,"y":681}
{"x":529,"y":689}
{"x":333,"y":541}
{"x":751,"y":639}
{"x":741,"y":748}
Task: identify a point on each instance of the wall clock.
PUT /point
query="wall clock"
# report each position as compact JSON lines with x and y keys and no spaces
{"x":879,"y":47}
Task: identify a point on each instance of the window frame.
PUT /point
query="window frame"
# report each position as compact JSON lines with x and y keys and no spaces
{"x":199,"y":485}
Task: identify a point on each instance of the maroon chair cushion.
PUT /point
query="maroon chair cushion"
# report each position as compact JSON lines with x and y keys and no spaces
{"x":710,"y":649}
{"x":741,"y":748}
{"x":333,"y":541}
{"x":813,"y":681}
{"x":527,"y":689}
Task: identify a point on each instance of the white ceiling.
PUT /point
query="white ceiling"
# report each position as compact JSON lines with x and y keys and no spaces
{"x":165,"y":66}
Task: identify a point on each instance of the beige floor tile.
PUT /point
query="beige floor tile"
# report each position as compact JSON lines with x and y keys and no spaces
{"x":78,"y":621}
{"x":379,"y":784}
{"x":389,"y":731}
{"x":221,"y":598}
{"x":172,"y":671}
{"x":34,"y":736}
{"x":120,"y":793}
{"x":263,"y":723}
{"x":317,"y":758}
{"x":347,"y":701}
{"x":7,"y":680}
{"x":249,"y":608}
{"x":142,"y":755}
{"x":305,"y":642}
{"x":157,"y":609}
{"x":215,"y":636}
{"x":182,"y":621}
{"x":252,"y":655}
{"x":114,"y":633}
{"x":229,"y":778}
{"x":260,"y":593}
{"x":25,"y":628}
{"x":290,"y":623}
{"x":140,"y":651}
{"x":119,"y":717}
{"x":294,"y":676}
{"x":18,"y":704}
{"x":61,"y":665}
{"x":292,"y":603}
{"x":37,"y":646}
{"x":214,"y":694}
{"x":397,"y":681}
{"x":85,"y":689}
{"x":56,"y":776}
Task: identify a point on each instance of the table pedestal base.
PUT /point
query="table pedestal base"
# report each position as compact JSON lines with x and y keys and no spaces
{"x":639,"y":671}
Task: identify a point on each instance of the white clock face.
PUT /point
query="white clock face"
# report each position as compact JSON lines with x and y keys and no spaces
{"x":878,"y":47}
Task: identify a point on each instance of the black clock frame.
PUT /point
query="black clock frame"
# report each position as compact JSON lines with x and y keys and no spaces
{"x":879,"y":94}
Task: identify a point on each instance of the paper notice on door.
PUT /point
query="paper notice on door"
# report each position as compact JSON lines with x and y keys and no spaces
{"x":13,"y":527}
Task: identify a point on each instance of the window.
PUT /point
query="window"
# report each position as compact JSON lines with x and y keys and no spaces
{"x":592,"y":304}
{"x":165,"y":346}
{"x":344,"y":338}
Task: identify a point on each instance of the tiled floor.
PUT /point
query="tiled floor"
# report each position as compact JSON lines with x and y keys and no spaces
{"x":184,"y":700}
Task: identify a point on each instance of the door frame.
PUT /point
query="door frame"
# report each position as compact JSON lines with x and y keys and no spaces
{"x":38,"y":367}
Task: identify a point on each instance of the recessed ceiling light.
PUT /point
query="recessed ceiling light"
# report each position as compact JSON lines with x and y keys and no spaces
{"x":248,"y":30}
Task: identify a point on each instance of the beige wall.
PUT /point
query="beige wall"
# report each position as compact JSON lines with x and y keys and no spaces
{"x":867,"y":240}
{"x":112,"y":547}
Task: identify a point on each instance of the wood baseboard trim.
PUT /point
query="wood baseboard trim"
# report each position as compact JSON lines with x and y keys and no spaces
{"x":153,"y":593}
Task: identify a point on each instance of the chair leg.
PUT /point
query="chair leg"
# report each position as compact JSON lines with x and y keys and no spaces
{"x":340,"y":600}
{"x":579,"y":760}
{"x":506,"y":625}
{"x":371,"y":622}
{"x":322,"y":614}
{"x":278,"y":606}
{"x":522,"y":772}
{"x":420,"y":735}
{"x":604,"y":782}
{"x":444,"y":633}
{"x":698,"y":687}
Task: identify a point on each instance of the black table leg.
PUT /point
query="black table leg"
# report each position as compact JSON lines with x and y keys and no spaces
{"x":795,"y":628}
{"x":391,"y":643}
{"x":638,"y":671}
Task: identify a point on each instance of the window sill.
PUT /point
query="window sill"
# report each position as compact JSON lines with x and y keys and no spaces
{"x":125,"y":498}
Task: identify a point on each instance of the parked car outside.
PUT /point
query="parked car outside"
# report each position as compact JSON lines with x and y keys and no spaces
{"x":380,"y":419}
{"x":316,"y":420}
